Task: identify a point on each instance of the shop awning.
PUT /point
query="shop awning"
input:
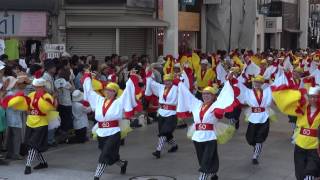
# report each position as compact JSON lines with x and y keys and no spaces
{"x":292,"y":30}
{"x":113,"y":21}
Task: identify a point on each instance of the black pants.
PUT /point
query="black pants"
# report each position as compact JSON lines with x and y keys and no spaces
{"x":257,"y":133}
{"x":167,"y":125}
{"x":80,"y":136}
{"x":235,"y":114}
{"x":37,"y":138}
{"x":207,"y":154}
{"x":307,"y":163}
{"x":65,"y":113}
{"x":109,"y":147}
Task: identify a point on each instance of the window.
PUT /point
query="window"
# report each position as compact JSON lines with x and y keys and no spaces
{"x":190,"y":5}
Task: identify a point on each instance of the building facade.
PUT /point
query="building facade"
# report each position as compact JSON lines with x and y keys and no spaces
{"x":86,"y":27}
{"x":286,"y":23}
{"x":102,"y":28}
{"x":27,"y":25}
{"x":314,"y":24}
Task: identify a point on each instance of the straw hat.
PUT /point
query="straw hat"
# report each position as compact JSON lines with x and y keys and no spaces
{"x":168,"y":77}
{"x":258,"y":78}
{"x":211,"y":89}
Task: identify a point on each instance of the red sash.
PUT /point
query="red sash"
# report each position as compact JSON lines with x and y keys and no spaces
{"x":204,"y":127}
{"x":309,"y":132}
{"x":168,"y":107}
{"x":108,"y":124}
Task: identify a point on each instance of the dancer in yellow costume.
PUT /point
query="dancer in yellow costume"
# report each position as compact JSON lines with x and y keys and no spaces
{"x":294,"y":102}
{"x":40,"y":107}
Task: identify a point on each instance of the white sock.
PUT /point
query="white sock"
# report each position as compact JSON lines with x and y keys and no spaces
{"x":100,"y":169}
{"x":203,"y":176}
{"x":257,"y":150}
{"x":32,"y":153}
{"x":309,"y":178}
{"x":162,"y":140}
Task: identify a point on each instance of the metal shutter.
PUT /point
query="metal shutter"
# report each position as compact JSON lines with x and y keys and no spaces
{"x":97,"y":42}
{"x":132,"y":41}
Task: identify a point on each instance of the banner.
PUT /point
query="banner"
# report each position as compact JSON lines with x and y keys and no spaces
{"x":24,"y":24}
{"x":54,"y":50}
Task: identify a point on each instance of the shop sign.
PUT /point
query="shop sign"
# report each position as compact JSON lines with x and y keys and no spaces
{"x":273,"y":24}
{"x":23,"y":24}
{"x":54,"y":50}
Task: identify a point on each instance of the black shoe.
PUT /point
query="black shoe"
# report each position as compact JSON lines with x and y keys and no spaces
{"x":96,"y":178}
{"x":124,"y":167}
{"x":173,"y":149}
{"x":215,"y":177}
{"x":27,"y":170}
{"x":156,"y":154}
{"x":41,"y":166}
{"x":255,"y":161}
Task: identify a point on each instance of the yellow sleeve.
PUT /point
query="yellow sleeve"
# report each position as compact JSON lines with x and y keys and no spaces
{"x":46,"y":103}
{"x":238,"y":61}
{"x":96,"y":85}
{"x":31,"y":94}
{"x":212,"y":74}
{"x":289,"y":101}
{"x":18,"y":102}
{"x":196,"y":62}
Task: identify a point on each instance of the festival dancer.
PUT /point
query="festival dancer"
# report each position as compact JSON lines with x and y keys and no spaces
{"x":109,"y":111}
{"x":292,"y":101}
{"x":206,"y":114}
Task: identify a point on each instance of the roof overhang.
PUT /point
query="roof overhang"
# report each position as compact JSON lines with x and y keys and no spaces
{"x":124,"y":21}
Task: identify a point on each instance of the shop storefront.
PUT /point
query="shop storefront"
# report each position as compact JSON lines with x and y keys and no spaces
{"x":103,"y":28}
{"x":23,"y":32}
{"x":104,"y":36}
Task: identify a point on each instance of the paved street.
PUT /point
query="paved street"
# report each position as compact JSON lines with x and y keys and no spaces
{"x":78,"y":162}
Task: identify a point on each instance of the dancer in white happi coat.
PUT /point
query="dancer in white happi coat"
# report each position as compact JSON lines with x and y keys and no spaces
{"x":167,"y":119}
{"x":206,"y":115}
{"x":259,"y":102}
{"x":108,"y":112}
